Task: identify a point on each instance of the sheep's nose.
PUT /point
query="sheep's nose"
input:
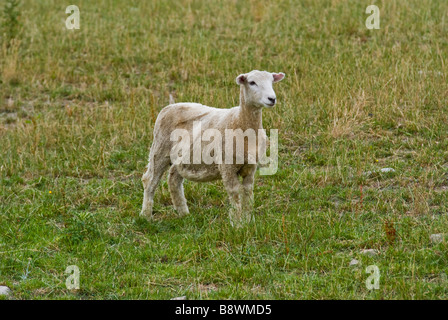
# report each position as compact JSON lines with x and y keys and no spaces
{"x":272,"y":100}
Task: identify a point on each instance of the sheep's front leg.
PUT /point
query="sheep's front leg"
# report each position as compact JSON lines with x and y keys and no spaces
{"x":248,"y":193}
{"x":234,"y":190}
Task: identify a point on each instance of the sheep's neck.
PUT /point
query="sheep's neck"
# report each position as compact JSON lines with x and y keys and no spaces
{"x":250,"y":116}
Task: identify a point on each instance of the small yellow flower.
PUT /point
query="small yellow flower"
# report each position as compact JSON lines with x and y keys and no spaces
{"x":49,"y":191}
{"x":376,"y":160}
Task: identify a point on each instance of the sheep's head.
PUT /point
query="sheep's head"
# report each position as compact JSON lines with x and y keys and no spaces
{"x":257,"y":86}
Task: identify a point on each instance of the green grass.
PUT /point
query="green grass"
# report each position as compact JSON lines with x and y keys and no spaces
{"x":77,"y":109}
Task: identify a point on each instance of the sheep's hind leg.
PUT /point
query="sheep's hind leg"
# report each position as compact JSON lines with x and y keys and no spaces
{"x":175,"y":184}
{"x":247,"y":200}
{"x":156,"y":168}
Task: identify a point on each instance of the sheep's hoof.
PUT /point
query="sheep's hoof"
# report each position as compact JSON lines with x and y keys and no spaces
{"x":238,"y":223}
{"x":249,"y":219}
{"x":146,"y":213}
{"x":182,"y":211}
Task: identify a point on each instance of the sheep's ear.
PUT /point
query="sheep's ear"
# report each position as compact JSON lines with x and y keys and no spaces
{"x":241,"y":79}
{"x":278,"y":76}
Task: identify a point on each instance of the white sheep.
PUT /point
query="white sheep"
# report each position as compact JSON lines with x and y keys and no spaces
{"x":256,"y":92}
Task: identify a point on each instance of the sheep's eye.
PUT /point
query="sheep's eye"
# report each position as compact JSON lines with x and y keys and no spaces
{"x":252,"y":83}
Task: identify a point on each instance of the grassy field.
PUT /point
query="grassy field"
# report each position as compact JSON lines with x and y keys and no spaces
{"x":77,"y":108}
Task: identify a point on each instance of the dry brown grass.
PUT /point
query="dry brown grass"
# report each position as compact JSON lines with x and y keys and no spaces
{"x":10,"y":61}
{"x":350,"y":118}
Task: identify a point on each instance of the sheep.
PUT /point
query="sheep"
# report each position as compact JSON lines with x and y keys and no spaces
{"x":256,"y":92}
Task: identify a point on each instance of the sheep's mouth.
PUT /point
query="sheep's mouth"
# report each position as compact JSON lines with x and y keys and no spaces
{"x":270,"y":104}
